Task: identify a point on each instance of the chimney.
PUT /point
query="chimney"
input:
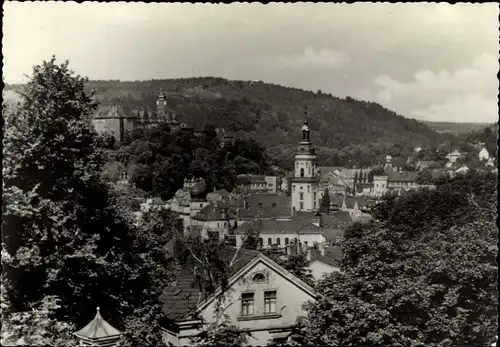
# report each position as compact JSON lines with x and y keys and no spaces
{"x":308,"y":256}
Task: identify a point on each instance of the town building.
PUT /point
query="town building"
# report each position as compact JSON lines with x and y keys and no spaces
{"x":261,"y":297}
{"x":257,"y":183}
{"x":305,"y":183}
{"x":113,"y":120}
{"x":324,"y":261}
{"x":483,"y":154}
{"x":280,"y":233}
{"x":454,"y":156}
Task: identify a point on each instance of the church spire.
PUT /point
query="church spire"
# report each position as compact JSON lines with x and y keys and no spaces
{"x":305,"y":128}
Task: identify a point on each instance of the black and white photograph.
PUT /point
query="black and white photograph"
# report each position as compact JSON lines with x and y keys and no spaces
{"x":248,"y":174}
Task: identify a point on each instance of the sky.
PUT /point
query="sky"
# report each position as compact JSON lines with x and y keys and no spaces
{"x":426,"y":61}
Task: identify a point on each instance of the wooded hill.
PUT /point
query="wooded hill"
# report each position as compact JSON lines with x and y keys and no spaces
{"x":344,"y":131}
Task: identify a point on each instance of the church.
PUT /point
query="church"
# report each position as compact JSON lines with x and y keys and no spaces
{"x":305,"y":183}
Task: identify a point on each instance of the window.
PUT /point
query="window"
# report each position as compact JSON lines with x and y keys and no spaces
{"x":302,"y":172}
{"x":305,"y":243}
{"x":301,"y":187}
{"x":286,"y":240}
{"x":314,"y":194}
{"x":315,"y":205}
{"x":201,"y":205}
{"x":258,"y":277}
{"x":247,"y":304}
{"x":293,"y":188}
{"x":301,"y":205}
{"x":269,"y":241}
{"x":301,"y":196}
{"x":270,"y":302}
{"x":278,"y":241}
{"x":218,"y":225}
{"x":308,"y":189}
{"x":261,"y":241}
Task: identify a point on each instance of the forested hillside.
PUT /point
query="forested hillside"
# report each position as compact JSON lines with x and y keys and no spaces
{"x":344,"y":131}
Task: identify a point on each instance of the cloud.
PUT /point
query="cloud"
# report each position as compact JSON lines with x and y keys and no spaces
{"x":474,"y":107}
{"x":310,"y":59}
{"x":461,"y":95}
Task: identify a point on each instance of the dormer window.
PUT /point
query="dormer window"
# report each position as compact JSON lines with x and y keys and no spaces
{"x":259,"y":277}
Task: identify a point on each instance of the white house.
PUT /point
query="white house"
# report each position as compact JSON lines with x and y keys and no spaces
{"x":280,"y":233}
{"x":454,"y":156}
{"x":483,"y":154}
{"x":262,"y":298}
{"x":324,"y":261}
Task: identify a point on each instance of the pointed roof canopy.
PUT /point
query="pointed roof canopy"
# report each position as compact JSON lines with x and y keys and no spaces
{"x":98,"y":328}
{"x":305,"y":127}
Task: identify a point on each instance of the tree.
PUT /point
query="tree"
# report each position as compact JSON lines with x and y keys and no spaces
{"x":428,"y":279}
{"x":63,"y":233}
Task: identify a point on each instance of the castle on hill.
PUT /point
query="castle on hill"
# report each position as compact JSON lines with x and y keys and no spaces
{"x":113,"y":119}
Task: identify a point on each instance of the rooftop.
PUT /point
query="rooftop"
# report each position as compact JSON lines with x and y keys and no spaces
{"x":98,"y":328}
{"x":183,"y":297}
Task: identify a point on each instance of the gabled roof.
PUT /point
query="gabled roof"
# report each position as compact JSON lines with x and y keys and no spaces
{"x":213,"y":213}
{"x":261,"y":258}
{"x":333,"y":256}
{"x":181,"y":300}
{"x":336,"y":217}
{"x":111,"y":111}
{"x":98,"y":328}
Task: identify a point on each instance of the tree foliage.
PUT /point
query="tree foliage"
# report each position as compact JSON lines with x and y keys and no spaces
{"x":423,"y":273}
{"x":63,"y":235}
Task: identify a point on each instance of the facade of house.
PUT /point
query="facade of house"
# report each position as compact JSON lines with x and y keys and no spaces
{"x":257,"y":183}
{"x":214,"y":220}
{"x":324,"y":260}
{"x":454,"y":156}
{"x":483,"y":154}
{"x":305,"y":182}
{"x":113,"y":120}
{"x":263,"y":298}
{"x":280,"y":233}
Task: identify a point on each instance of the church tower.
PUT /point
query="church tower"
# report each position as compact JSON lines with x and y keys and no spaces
{"x":305,"y":183}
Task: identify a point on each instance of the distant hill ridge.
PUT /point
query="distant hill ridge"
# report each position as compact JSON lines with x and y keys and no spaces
{"x":343,"y":129}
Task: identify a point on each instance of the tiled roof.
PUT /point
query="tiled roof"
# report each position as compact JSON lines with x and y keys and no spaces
{"x":251,"y":178}
{"x":336,"y":217}
{"x":295,"y":225}
{"x":402,"y":176}
{"x":211,"y":212}
{"x":266,"y":205}
{"x":332,"y":234}
{"x":182,"y":298}
{"x":333,"y":256}
{"x":111,"y":111}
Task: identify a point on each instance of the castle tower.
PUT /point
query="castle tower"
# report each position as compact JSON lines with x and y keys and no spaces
{"x":161,"y":104}
{"x":305,"y":183}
